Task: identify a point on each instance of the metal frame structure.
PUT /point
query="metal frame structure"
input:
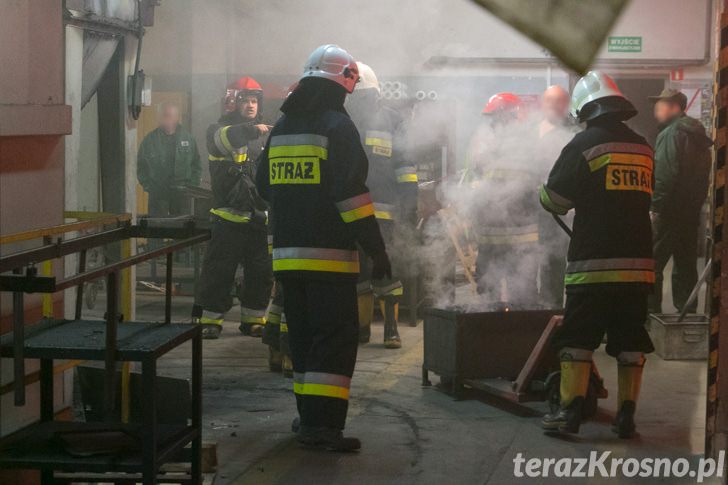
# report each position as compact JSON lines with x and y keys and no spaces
{"x":78,"y":339}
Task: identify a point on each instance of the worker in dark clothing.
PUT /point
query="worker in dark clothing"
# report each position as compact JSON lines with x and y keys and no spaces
{"x":554,"y":132}
{"x":239,"y":218}
{"x":682,"y":175}
{"x":393,"y":185}
{"x":313,"y":173}
{"x":168,"y":159}
{"x":605,"y":175}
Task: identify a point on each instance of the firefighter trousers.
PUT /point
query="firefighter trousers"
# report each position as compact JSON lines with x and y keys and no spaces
{"x":323,"y":331}
{"x":232,"y":245}
{"x":275,"y":332}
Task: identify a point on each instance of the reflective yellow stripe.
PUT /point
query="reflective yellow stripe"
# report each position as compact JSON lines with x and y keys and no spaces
{"x":358,"y":213}
{"x":298,"y":151}
{"x":211,"y":321}
{"x":240,"y":157}
{"x":508,"y":238}
{"x":385,"y":215}
{"x":620,"y":159}
{"x":213,"y":158}
{"x":613,"y":276}
{"x":224,"y":139}
{"x":255,"y":320}
{"x":378,"y":142}
{"x":229,"y":216}
{"x":324,"y":390}
{"x":315,"y":265}
{"x":298,"y":387}
{"x":284,"y":327}
{"x":408,"y":177}
{"x":553,"y":202}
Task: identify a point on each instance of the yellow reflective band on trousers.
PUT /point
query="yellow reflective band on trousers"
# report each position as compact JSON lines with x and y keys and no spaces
{"x":610,"y":270}
{"x":384,"y":211}
{"x":249,"y":315}
{"x":355,"y":208}
{"x":614,"y":276}
{"x":240,"y":157}
{"x":284,"y":327}
{"x":322,"y":384}
{"x":231,"y":216}
{"x":407,"y":178}
{"x":316,"y":259}
{"x":211,"y":318}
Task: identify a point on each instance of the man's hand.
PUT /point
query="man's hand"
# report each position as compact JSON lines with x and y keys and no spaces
{"x":263,"y":129}
{"x":381,"y":267}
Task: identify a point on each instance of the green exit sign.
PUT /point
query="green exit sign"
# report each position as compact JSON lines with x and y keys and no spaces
{"x":624,"y":44}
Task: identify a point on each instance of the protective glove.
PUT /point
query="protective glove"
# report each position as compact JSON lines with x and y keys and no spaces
{"x":381,"y":267}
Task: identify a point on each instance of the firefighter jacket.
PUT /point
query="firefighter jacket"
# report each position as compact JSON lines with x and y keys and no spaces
{"x":391,"y":179}
{"x":503,"y":176}
{"x":605,"y":173}
{"x":682,"y":168}
{"x":313,"y":172}
{"x":234,"y":146}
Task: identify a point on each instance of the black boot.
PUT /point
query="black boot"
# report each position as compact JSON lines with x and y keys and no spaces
{"x":623,"y":423}
{"x":391,"y":335}
{"x":329,"y":439}
{"x":567,"y":419}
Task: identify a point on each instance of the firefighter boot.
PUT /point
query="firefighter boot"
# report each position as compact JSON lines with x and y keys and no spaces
{"x":251,"y":329}
{"x":329,"y":439}
{"x":391,"y":335}
{"x":211,"y":324}
{"x":575,"y":368}
{"x":287,"y":365}
{"x":275,"y":359}
{"x":365,"y":303}
{"x":629,"y":379}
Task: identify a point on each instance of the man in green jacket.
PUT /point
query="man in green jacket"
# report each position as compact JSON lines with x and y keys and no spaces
{"x":168,"y":158}
{"x":682,"y":175}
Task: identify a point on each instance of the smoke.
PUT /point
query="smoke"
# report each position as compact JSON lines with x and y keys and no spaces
{"x":492,"y":209}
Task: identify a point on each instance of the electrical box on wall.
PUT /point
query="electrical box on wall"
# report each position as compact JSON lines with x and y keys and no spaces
{"x":139,"y":91}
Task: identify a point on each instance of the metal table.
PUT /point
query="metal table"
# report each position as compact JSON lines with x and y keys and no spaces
{"x":37,"y":446}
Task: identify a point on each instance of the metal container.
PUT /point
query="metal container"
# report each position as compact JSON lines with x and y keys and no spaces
{"x":673,"y":340}
{"x":460,"y":346}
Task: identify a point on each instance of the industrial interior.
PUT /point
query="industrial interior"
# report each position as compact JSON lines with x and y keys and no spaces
{"x":363,"y":242}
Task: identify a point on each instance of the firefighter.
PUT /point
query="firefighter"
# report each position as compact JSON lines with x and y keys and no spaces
{"x":505,"y":223}
{"x":605,"y":173}
{"x":239,"y":217}
{"x":393,"y":185}
{"x":313,"y":172}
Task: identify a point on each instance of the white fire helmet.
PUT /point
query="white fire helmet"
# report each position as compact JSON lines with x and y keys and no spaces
{"x":595,"y":85}
{"x":367,"y":78}
{"x":332,"y":62}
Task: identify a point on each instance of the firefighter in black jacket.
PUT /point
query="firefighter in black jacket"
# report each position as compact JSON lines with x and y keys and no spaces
{"x":606,"y":175}
{"x":239,"y":217}
{"x":393,"y":185}
{"x":313,"y":173}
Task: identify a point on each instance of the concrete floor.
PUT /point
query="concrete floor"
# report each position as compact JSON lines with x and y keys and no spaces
{"x":412,"y":434}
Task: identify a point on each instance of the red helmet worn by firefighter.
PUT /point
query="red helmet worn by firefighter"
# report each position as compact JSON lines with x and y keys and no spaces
{"x":245,"y":86}
{"x":503,"y":103}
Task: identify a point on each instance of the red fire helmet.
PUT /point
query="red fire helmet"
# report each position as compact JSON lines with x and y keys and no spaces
{"x":245,"y":86}
{"x":503,"y":103}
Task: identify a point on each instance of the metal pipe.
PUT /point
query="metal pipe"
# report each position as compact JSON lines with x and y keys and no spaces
{"x":79,"y":288}
{"x":19,"y":346}
{"x":168,"y":290}
{"x":112,"y":315}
